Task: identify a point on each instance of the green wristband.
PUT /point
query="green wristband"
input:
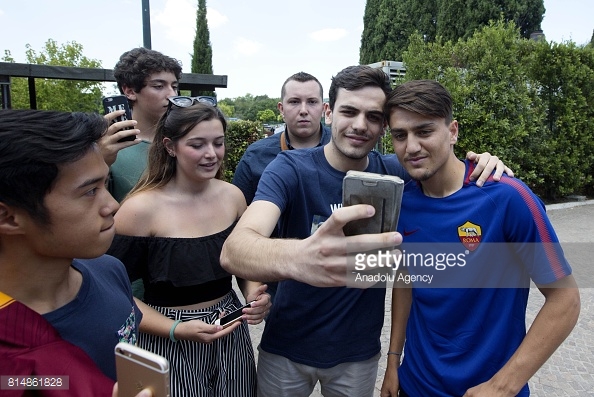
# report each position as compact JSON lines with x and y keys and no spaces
{"x":172,"y":330}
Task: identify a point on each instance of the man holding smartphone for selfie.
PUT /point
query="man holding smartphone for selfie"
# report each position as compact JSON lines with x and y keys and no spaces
{"x":312,"y":334}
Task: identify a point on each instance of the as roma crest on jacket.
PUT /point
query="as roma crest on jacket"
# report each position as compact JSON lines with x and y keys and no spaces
{"x":470,"y":235}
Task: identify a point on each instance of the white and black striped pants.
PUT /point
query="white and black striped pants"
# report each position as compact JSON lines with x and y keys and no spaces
{"x":223,"y":368}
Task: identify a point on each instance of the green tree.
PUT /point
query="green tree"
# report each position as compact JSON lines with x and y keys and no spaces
{"x":495,"y":102}
{"x":369,"y":52}
{"x":247,"y":107}
{"x":202,"y":56}
{"x":388,"y":24}
{"x":54,"y":94}
{"x":461,"y":18}
{"x":530,"y":102}
{"x":266,"y":115}
{"x":227,"y":109}
{"x":565,"y":75}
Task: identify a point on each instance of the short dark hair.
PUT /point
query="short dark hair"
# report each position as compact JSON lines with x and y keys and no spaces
{"x":136,"y":65}
{"x":301,"y":77}
{"x":33,"y":144}
{"x":356,"y":77}
{"x":424,"y":97}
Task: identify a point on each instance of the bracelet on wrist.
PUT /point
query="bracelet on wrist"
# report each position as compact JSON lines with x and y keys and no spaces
{"x":395,"y":353}
{"x":172,"y":330}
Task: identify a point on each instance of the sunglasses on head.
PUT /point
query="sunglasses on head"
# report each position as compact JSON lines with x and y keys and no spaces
{"x":187,"y":101}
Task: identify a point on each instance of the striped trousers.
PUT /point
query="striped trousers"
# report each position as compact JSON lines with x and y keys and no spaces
{"x":224,"y":368}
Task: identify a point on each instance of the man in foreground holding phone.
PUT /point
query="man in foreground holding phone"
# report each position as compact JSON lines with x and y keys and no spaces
{"x":469,"y":336}
{"x":316,"y":334}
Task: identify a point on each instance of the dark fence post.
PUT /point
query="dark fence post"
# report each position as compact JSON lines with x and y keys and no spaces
{"x":146,"y":24}
{"x":5,"y":91}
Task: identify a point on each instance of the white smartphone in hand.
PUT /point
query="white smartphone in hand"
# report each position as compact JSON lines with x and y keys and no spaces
{"x":138,"y":369}
{"x":232,"y":317}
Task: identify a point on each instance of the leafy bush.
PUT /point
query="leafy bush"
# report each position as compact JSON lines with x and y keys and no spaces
{"x":528,"y":102}
{"x":240,"y":134}
{"x":565,"y":76}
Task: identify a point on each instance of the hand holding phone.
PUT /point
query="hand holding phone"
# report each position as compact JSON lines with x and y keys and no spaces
{"x":138,"y":369}
{"x":383,"y":192}
{"x":232,"y":317}
{"x":119,"y":102}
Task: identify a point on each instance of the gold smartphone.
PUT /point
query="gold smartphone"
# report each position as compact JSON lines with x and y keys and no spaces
{"x":384,"y":192}
{"x":138,"y":369}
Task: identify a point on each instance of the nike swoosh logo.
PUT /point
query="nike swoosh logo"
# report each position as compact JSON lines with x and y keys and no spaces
{"x":409,"y":232}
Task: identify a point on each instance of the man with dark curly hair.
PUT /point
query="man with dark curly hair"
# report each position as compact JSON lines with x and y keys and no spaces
{"x":147,"y":78}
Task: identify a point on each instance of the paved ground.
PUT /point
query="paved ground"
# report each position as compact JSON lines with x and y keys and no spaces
{"x":570,"y":371}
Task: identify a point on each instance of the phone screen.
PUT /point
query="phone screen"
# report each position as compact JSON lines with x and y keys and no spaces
{"x":234,"y":315}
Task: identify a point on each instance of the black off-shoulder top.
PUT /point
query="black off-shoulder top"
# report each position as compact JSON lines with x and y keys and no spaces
{"x":176,"y":271}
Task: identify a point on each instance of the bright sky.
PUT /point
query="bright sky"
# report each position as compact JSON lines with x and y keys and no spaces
{"x":256,"y":43}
